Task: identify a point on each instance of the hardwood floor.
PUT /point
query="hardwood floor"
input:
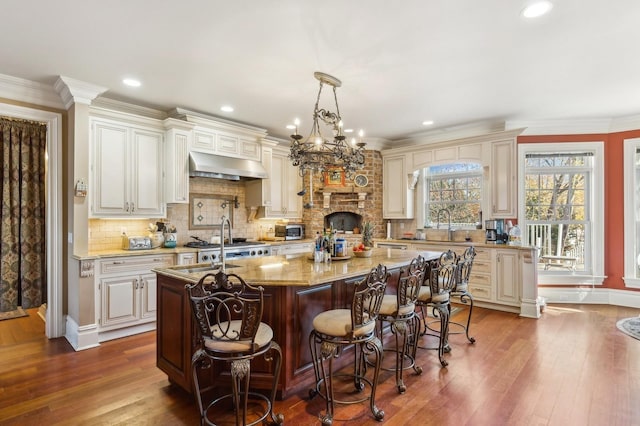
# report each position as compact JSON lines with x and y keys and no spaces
{"x":570,"y":367}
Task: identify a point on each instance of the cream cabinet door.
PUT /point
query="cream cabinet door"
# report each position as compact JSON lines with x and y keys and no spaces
{"x":127,"y":171}
{"x":507,"y":277}
{"x":503,"y":179}
{"x":397,"y":198}
{"x":284,"y":185}
{"x":120,"y":304}
{"x":148,"y":297}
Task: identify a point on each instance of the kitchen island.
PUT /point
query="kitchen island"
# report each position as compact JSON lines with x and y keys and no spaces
{"x":296,"y":290}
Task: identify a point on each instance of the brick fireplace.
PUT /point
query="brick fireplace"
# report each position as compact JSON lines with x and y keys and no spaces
{"x":343,"y":202}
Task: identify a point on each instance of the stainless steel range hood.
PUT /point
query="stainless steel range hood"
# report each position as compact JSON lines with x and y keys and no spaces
{"x":229,"y":168}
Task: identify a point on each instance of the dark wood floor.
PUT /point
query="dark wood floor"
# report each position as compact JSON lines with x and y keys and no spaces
{"x":570,"y":367}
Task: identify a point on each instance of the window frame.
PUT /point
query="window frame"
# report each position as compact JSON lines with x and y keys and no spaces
{"x":424,"y":197}
{"x":595,"y":197}
{"x":631,"y":275}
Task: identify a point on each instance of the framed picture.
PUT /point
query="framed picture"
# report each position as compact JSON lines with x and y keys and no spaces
{"x":334,"y":177}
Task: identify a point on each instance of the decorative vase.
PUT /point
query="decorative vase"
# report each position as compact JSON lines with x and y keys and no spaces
{"x":170,"y":239}
{"x":157,"y":239}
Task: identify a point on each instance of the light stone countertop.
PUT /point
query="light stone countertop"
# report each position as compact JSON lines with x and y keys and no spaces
{"x":445,"y":244}
{"x":99,"y":254}
{"x":301,"y":270}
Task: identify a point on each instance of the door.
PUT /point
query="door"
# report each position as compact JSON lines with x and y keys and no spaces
{"x":119,"y":300}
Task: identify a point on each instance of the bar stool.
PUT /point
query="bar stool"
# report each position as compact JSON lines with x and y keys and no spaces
{"x":337,"y":328}
{"x":461,"y":289}
{"x":227,"y":313}
{"x":399,"y":310}
{"x":435,"y":294}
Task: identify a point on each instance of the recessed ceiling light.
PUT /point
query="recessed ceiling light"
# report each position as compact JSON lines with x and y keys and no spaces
{"x":131,"y":82}
{"x":291,"y":126}
{"x":227,"y":108}
{"x":534,"y":9}
{"x":427,"y":122}
{"x":348,"y":130}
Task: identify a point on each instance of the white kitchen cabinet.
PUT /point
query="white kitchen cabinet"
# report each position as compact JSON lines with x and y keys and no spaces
{"x":507,"y":277}
{"x":127,"y":168}
{"x":176,"y":166}
{"x":126,"y":291}
{"x":235,"y":142}
{"x":397,"y":195}
{"x":503,"y":179}
{"x":276,"y":196}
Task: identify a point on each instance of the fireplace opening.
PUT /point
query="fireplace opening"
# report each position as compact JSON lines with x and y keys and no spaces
{"x":343,"y":221}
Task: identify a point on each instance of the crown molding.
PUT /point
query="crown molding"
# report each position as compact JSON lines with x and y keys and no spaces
{"x":28,"y":91}
{"x":75,"y":91}
{"x":562,"y":127}
{"x":623,"y":124}
{"x":108,"y":104}
{"x":446,"y":134}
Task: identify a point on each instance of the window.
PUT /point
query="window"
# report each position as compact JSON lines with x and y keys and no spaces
{"x":632,"y":213}
{"x":457,"y":188}
{"x":560,"y":209}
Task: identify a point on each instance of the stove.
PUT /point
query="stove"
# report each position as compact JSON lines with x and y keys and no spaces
{"x":209,"y":252}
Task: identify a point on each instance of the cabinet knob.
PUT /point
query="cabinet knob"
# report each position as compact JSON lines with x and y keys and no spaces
{"x":133,"y":207}
{"x":126,"y":206}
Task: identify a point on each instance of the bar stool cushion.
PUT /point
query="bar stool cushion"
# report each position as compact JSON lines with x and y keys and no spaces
{"x":337,"y":322}
{"x":264,"y":335}
{"x":389,"y":306}
{"x":461,"y":287}
{"x":425,"y":295}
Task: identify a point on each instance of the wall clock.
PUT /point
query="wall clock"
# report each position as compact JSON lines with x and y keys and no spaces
{"x":361,"y":180}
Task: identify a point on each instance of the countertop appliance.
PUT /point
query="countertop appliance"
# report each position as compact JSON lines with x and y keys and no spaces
{"x":290,"y":231}
{"x":210,"y":252}
{"x":136,"y":243}
{"x":494,"y":231}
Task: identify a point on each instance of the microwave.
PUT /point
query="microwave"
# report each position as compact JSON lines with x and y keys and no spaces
{"x":290,"y":231}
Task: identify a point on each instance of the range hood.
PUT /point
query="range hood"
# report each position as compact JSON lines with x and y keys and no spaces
{"x":229,"y":168}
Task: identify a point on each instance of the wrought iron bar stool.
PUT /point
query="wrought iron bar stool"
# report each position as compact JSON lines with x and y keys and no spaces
{"x":336,"y":328}
{"x":228,"y":313}
{"x":399,"y":310}
{"x":435,"y":294}
{"x":461,"y":289}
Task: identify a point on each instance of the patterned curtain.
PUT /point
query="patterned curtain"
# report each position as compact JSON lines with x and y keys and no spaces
{"x":22,"y":226}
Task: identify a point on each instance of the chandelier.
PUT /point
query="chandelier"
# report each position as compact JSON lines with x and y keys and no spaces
{"x":318,"y":153}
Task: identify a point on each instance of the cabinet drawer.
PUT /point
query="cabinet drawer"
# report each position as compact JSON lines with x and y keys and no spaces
{"x":483,"y":267}
{"x":481,"y":292}
{"x":134,"y":263}
{"x":480,"y":279}
{"x":482,"y":255}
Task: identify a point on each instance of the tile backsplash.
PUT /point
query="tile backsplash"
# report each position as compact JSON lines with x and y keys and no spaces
{"x":105,"y":234}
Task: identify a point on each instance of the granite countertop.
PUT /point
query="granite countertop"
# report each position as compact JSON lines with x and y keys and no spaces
{"x":455,"y":244}
{"x":301,"y":270}
{"x":99,"y":254}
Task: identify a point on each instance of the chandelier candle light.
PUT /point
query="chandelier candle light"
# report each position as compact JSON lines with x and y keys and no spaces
{"x":317,"y":153}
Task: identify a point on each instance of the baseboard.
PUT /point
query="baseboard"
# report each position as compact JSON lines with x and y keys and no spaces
{"x":81,"y":338}
{"x":596,"y":296}
{"x":126,"y":331}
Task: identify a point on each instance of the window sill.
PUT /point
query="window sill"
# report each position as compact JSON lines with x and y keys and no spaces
{"x":570,"y":278}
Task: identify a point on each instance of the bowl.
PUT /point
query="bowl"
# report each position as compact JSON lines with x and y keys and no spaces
{"x":365,"y":253}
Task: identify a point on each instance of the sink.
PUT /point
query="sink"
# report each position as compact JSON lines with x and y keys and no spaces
{"x":208,"y":268}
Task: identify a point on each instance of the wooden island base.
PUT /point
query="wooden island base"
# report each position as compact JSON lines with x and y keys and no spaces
{"x":289,"y":309}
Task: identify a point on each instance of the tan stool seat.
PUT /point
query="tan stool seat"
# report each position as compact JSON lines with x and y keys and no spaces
{"x":390,"y":306}
{"x":264,"y":335}
{"x":337,"y":322}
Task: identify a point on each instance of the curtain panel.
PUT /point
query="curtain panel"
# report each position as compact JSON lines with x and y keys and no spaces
{"x":23,"y":214}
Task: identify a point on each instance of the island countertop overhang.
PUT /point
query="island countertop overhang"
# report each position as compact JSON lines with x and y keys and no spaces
{"x":299,"y":270}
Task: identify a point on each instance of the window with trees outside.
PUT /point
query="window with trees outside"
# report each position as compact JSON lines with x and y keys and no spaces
{"x":456,"y":188}
{"x":561,"y":204}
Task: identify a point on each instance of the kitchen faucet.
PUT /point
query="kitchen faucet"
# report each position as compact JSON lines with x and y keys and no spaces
{"x":228,"y":222}
{"x":449,"y":230}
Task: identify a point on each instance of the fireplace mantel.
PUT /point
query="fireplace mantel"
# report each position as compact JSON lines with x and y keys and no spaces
{"x":355,"y":190}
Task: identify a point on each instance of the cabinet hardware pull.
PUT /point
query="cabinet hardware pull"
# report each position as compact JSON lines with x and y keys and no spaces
{"x":133,"y":207}
{"x":117,"y":262}
{"x":137,"y":283}
{"x":126,"y":206}
{"x":142,"y":284}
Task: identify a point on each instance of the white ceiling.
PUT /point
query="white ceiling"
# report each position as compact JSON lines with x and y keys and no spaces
{"x":451,"y":61}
